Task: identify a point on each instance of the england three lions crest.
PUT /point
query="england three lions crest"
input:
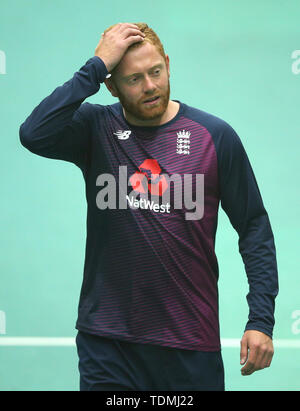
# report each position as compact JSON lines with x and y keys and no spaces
{"x":183,"y":142}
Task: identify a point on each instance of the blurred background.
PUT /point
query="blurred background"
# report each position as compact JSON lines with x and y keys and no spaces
{"x":238,"y":60}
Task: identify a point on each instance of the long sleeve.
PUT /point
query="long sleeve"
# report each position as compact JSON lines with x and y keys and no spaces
{"x":58,"y":127}
{"x":242,"y":202}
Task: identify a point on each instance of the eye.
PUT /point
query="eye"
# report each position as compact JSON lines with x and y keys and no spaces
{"x":156,"y":72}
{"x":133,"y":80}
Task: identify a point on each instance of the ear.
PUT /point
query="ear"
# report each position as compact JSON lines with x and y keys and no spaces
{"x":168,"y":64}
{"x":111,"y":87}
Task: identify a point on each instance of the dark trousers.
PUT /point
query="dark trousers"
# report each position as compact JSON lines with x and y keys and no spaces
{"x":108,"y":364}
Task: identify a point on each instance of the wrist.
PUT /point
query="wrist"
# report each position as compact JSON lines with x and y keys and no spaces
{"x":105,"y":62}
{"x":100,"y":68}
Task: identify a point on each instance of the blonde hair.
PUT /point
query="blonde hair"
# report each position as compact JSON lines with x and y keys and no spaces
{"x":150,"y":36}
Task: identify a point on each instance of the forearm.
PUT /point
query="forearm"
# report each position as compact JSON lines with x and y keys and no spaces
{"x":258,"y":252}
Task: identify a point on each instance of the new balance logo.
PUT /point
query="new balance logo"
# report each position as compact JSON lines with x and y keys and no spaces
{"x":183,"y":142}
{"x":123,"y":135}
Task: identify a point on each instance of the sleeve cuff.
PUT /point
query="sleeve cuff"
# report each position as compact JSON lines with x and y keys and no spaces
{"x":102,"y":72}
{"x":260,"y":327}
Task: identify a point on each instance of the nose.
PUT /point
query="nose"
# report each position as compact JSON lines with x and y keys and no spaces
{"x":148,"y":85}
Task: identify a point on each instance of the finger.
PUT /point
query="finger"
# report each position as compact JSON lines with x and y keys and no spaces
{"x":264,"y":357}
{"x":267,"y":358}
{"x":260,"y":359}
{"x":123,"y":26}
{"x":243,"y":351}
{"x":119,"y":28}
{"x":249,"y":368}
{"x":131,"y":31}
{"x":123,"y":30}
{"x":134,"y":39}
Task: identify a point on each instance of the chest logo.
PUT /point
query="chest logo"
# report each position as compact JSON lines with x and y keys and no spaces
{"x":183,"y":142}
{"x":148,"y":178}
{"x":123,"y":135}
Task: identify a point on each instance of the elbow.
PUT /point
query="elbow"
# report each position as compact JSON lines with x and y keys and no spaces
{"x":25,"y":136}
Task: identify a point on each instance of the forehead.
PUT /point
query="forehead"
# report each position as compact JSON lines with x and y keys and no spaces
{"x":139,"y":59}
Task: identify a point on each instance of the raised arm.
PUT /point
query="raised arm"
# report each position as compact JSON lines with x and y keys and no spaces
{"x":58,"y":127}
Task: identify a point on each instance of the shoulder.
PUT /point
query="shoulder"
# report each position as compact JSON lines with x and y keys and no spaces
{"x":214,"y":124}
{"x":222,"y":133}
{"x":87,"y":109}
{"x":90,"y":111}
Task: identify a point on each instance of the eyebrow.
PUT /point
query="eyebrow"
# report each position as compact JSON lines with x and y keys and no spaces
{"x":159,"y":65}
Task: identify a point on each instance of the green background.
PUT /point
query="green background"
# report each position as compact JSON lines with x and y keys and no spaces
{"x":230,"y":58}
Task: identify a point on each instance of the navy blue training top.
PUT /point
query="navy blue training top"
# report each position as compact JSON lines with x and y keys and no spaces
{"x":150,"y":271}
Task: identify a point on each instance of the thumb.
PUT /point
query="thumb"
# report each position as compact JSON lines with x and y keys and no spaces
{"x":244,"y":351}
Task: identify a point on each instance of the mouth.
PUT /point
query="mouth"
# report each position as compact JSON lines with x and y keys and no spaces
{"x":152,"y":100}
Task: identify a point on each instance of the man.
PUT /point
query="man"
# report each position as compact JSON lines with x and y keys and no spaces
{"x":148,"y":309}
